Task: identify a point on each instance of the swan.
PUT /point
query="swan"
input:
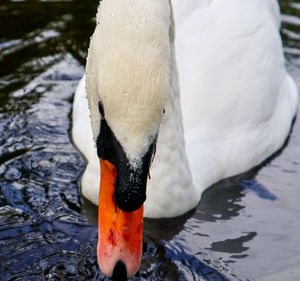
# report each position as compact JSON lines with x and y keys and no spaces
{"x":177,"y":95}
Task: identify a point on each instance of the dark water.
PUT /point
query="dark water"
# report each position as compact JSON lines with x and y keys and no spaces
{"x":245,"y":228}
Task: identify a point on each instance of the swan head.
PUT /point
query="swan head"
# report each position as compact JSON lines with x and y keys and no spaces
{"x":131,"y":173}
{"x":127,"y":78}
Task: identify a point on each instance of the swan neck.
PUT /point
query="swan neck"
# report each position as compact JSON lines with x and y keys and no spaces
{"x":171,"y":190}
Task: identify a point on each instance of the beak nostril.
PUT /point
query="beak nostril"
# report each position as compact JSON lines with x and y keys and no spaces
{"x":120,"y":272}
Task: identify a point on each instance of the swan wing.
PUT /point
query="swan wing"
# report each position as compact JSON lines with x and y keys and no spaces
{"x":238,"y":101}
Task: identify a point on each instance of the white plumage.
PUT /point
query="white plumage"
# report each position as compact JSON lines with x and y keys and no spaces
{"x":230,"y":100}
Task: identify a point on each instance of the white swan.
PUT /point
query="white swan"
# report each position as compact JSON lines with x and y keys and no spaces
{"x":218,"y":62}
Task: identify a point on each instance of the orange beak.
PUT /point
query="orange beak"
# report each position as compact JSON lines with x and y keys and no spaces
{"x":119,"y":232}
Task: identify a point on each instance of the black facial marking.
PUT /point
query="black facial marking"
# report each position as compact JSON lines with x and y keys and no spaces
{"x":130,"y":190}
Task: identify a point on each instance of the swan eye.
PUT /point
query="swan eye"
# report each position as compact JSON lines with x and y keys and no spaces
{"x":101,"y":110}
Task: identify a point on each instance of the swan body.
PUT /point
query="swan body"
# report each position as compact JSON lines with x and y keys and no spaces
{"x":228,"y":100}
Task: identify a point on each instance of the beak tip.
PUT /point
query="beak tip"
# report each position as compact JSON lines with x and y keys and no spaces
{"x":120,"y":271}
{"x":117,"y":272}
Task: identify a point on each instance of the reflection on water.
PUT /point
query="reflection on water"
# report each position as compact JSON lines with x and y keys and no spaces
{"x":245,"y":228}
